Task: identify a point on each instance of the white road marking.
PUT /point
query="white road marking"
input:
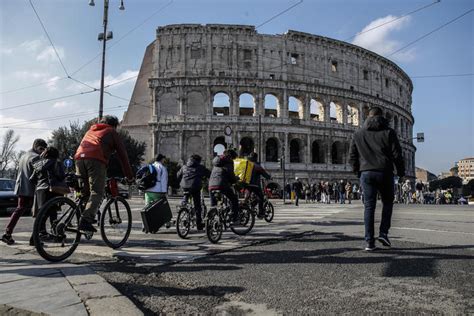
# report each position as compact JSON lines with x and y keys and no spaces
{"x":432,"y":230}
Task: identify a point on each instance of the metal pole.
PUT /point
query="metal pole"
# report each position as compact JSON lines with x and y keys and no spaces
{"x":101,"y":101}
{"x":259,"y":137}
{"x":284,"y":178}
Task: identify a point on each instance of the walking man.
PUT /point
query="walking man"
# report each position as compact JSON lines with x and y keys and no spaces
{"x":24,"y":189}
{"x":298,"y":189}
{"x":374,"y":150}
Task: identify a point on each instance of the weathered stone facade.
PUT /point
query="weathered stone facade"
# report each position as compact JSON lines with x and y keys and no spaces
{"x":309,"y":92}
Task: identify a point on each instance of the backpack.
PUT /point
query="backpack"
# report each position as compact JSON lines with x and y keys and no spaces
{"x":148,"y":177}
{"x":243,"y":169}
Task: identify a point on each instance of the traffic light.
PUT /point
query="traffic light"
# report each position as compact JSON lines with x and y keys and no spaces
{"x":281,"y":160}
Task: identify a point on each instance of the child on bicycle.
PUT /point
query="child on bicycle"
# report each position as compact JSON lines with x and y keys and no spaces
{"x":190,"y":177}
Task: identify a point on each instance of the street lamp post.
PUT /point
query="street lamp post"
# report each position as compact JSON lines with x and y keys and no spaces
{"x":104,"y":37}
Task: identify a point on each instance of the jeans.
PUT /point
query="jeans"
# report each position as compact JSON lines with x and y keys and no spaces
{"x":342,"y":197}
{"x":373,"y":182}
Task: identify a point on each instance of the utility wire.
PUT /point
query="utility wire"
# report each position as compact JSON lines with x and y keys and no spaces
{"x":125,"y":35}
{"x":393,"y":20}
{"x":49,"y":38}
{"x":281,"y":13}
{"x":43,"y":101}
{"x":431,"y":32}
{"x":34,"y":85}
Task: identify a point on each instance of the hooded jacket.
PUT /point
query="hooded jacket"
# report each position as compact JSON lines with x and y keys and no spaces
{"x":191,"y":174}
{"x":99,"y":143}
{"x":375,"y":147}
{"x":23,"y":185}
{"x":222,"y":175}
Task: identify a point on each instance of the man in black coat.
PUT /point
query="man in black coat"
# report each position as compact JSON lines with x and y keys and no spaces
{"x":298,"y":189}
{"x":374,"y":151}
{"x":190,"y":177}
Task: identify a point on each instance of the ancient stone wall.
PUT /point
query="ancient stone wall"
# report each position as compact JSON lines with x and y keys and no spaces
{"x":309,"y":93}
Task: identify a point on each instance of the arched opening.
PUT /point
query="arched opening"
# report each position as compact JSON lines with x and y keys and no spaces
{"x":335,"y":113}
{"x":316,"y":110}
{"x":317,"y":152}
{"x":365,"y":112}
{"x":395,"y":124}
{"x":352,"y":115}
{"x":246,"y":105}
{"x":221,"y":104}
{"x":246,"y":146}
{"x":295,"y":148}
{"x":219,"y":146}
{"x":271,"y":105}
{"x":295,"y":108}
{"x":388,"y":116}
{"x":337,"y":153}
{"x":271,"y":150}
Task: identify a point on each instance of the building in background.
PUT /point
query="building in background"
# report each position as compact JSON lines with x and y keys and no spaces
{"x":466,"y":169}
{"x":295,"y":95}
{"x":424,"y":175}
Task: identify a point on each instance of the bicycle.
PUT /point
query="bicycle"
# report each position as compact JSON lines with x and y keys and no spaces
{"x":56,"y":234}
{"x":268,"y":209}
{"x":187,"y":215}
{"x":219,"y":219}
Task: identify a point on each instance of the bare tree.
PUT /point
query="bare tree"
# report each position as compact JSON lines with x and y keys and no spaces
{"x":7,"y":149}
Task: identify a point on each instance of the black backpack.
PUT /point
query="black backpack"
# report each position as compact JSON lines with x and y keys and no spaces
{"x":147,"y":177}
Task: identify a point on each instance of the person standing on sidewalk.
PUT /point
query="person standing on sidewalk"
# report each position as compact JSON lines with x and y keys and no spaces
{"x":24,"y":189}
{"x":374,"y":151}
{"x":92,"y":158}
{"x":298,"y":189}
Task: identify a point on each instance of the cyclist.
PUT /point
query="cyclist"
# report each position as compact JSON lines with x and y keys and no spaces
{"x":255,"y":183}
{"x":92,"y":158}
{"x":222,"y":178}
{"x":190,"y":177}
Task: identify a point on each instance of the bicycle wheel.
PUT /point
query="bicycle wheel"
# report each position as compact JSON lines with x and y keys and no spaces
{"x":183,"y":223}
{"x":213,"y":226}
{"x":269,"y":211}
{"x":55,"y":231}
{"x":246,"y":221}
{"x":116,"y":222}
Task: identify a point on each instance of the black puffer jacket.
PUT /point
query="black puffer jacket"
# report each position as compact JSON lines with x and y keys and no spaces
{"x":191,"y":175}
{"x":222,"y":175}
{"x":375,"y":146}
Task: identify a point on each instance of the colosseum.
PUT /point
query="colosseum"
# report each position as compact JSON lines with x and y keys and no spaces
{"x":295,"y":96}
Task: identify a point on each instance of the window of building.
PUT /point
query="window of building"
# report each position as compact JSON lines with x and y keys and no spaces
{"x":195,"y":53}
{"x":293,"y":58}
{"x":247,"y":54}
{"x":366,"y":75}
{"x":334,"y":66}
{"x":386,"y":82}
{"x":272,"y":76}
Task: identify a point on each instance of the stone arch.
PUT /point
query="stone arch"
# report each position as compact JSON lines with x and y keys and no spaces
{"x":337,"y":153}
{"x":352,"y":114}
{"x":295,"y":107}
{"x":247,"y":146}
{"x":335,"y":112}
{"x":194,"y":145}
{"x":195,"y":103}
{"x":221,"y":104}
{"x":388,"y":116}
{"x":296,"y":148}
{"x":246,"y":104}
{"x":168,"y":104}
{"x":316,"y":110}
{"x":317,"y":152}
{"x":271,"y":105}
{"x":271,"y":150}
{"x":219,"y":145}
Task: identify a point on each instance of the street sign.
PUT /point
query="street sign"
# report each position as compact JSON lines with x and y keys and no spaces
{"x":420,"y":137}
{"x":68,"y":163}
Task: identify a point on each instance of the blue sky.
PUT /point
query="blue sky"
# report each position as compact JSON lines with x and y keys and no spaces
{"x":442,"y":107}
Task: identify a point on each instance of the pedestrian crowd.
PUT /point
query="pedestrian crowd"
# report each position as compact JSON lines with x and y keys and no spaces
{"x":341,"y":191}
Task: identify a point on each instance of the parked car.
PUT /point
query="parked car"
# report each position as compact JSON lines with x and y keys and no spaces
{"x":8,"y":199}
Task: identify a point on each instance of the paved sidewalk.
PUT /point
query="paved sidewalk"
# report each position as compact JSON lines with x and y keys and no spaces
{"x":31,"y":286}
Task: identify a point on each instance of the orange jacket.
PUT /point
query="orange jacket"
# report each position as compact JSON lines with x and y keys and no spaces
{"x":101,"y":141}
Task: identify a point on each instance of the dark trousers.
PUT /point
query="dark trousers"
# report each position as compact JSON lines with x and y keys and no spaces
{"x":259,"y":193}
{"x":232,"y":197}
{"x":43,"y":196}
{"x":373,"y":182}
{"x":24,"y":203}
{"x":342,"y":197}
{"x":297,"y":197}
{"x":196,"y":195}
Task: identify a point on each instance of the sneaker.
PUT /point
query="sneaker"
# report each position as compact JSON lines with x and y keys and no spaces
{"x":384,"y":240}
{"x":86,"y":227}
{"x":8,"y":239}
{"x":370,"y":246}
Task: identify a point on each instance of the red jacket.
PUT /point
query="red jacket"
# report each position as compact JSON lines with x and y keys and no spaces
{"x":101,"y":141}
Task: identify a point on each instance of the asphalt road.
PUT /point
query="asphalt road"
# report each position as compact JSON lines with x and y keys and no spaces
{"x":317,"y":267}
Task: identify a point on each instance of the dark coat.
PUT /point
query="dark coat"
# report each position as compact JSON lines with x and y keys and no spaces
{"x":47,"y":172}
{"x":222,"y":175}
{"x":375,"y":146}
{"x":23,"y":185}
{"x":257,"y":172}
{"x":191,"y":175}
{"x":298,"y":187}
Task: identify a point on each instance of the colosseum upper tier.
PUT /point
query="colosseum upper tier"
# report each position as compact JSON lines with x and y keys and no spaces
{"x":297,"y":95}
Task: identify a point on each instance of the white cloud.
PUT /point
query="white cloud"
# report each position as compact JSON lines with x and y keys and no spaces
{"x":381,"y":41}
{"x":117,"y":81}
{"x":33,"y":45}
{"x":25,"y":74}
{"x":48,"y":54}
{"x":28,"y":131}
{"x":61,"y":104}
{"x":6,"y":51}
{"x":52,"y":84}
